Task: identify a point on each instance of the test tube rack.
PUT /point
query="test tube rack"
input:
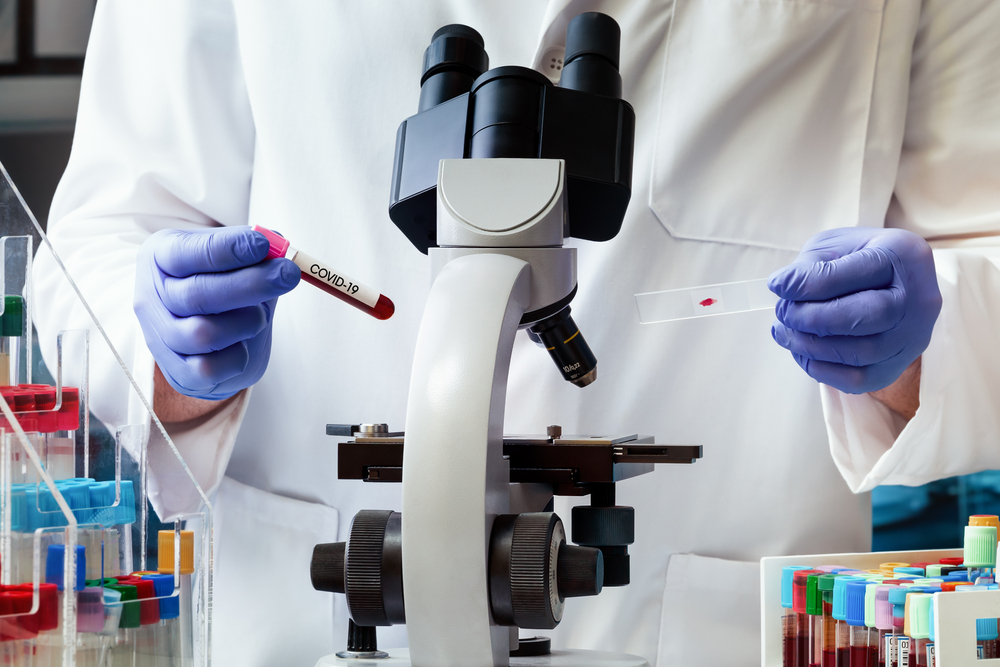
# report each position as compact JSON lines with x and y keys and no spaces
{"x":77,"y":586}
{"x":954,"y":613}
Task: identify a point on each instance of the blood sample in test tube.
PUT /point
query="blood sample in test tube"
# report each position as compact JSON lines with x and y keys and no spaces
{"x":329,"y":280}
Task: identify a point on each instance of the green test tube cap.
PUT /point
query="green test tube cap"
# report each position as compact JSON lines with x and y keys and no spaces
{"x":814,"y":597}
{"x":980,"y":546}
{"x":920,"y":610}
{"x":12,"y":320}
{"x":130,"y":606}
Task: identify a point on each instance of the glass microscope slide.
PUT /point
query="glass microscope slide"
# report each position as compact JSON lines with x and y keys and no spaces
{"x":704,"y":301}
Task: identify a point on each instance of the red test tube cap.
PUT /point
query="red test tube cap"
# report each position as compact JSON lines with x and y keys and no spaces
{"x":800,"y":580}
{"x":954,"y":561}
{"x":69,"y":411}
{"x":278,"y":243}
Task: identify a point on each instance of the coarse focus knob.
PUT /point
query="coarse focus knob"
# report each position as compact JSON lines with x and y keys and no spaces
{"x":580,"y":571}
{"x":524,"y":585}
{"x":374,"y":568}
{"x":327,"y":567}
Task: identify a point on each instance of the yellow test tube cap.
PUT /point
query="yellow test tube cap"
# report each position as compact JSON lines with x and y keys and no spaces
{"x":165,"y":555}
{"x":985,"y":520}
{"x":887,"y":568}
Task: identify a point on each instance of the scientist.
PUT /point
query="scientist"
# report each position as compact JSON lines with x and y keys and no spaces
{"x":817,"y":142}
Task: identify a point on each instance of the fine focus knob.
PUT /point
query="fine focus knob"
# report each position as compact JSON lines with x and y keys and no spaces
{"x":327,"y":567}
{"x":580,"y":571}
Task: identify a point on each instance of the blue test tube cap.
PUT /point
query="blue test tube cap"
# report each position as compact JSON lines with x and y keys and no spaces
{"x":77,"y":496}
{"x":163,"y":585}
{"x":897,"y":598}
{"x":786,"y":583}
{"x":986,"y":629}
{"x":102,"y":499}
{"x":18,"y":509}
{"x":854,"y":602}
{"x":915,"y":571}
{"x":840,"y":596}
{"x":54,"y":566}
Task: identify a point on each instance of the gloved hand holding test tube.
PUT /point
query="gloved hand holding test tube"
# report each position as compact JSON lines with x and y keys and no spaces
{"x":362,"y":297}
{"x":206,"y":298}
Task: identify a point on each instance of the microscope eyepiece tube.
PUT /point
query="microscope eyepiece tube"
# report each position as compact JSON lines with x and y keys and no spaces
{"x":455,"y":57}
{"x":560,"y":336}
{"x":593,"y":43}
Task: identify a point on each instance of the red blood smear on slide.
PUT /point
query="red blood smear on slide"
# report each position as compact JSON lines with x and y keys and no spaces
{"x":703,"y":302}
{"x":383,"y":309}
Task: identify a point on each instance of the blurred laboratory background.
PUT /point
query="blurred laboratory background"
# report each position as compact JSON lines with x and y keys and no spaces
{"x":42,"y":47}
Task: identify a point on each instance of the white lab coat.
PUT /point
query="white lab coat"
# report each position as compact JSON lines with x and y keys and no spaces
{"x":757,"y":125}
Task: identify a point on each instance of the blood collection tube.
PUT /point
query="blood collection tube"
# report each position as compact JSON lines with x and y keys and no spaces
{"x":789,"y":618}
{"x":855,"y":605}
{"x":814,"y":610}
{"x":883,"y":623}
{"x":334,"y":282}
{"x":840,"y":615}
{"x":917,"y":610}
{"x":980,"y":549}
{"x":825,"y":585}
{"x":800,"y":597}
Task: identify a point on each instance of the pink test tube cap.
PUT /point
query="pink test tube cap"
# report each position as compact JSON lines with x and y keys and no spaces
{"x":883,"y":608}
{"x":279,"y":244}
{"x":90,"y":610}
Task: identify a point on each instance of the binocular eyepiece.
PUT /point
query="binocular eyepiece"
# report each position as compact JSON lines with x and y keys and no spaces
{"x":457,"y":56}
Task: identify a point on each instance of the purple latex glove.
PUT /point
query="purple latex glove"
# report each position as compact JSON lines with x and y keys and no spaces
{"x":857,"y":306}
{"x":205,"y":300}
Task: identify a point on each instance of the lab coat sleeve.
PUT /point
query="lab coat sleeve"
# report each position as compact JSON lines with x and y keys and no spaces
{"x":948,"y":191}
{"x":164,"y":139}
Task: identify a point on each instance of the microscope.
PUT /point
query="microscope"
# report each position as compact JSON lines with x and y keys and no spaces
{"x":496,"y":169}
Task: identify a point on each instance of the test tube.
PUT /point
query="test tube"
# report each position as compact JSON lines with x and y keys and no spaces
{"x":117,"y":522}
{"x":980,"y":550}
{"x":789,"y":618}
{"x":165,"y":565}
{"x":123,"y":651}
{"x":18,"y":632}
{"x":855,"y":606}
{"x":331,"y":281}
{"x":89,"y":623}
{"x":167,"y":638}
{"x":800,"y":598}
{"x":883,"y":623}
{"x":917,"y":610}
{"x":825,"y":585}
{"x":47,"y":645}
{"x":814,"y":610}
{"x":840,"y":615}
{"x":11,"y":332}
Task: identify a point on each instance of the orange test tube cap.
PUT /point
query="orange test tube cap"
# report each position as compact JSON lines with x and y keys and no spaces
{"x":166,"y":552}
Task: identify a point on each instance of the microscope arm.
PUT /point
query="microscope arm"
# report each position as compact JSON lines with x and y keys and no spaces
{"x":455,"y":479}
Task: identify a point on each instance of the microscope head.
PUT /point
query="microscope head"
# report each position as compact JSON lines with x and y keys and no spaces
{"x":467,"y":111}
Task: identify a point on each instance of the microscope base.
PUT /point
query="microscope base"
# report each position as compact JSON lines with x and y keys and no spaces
{"x":400,"y":657}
